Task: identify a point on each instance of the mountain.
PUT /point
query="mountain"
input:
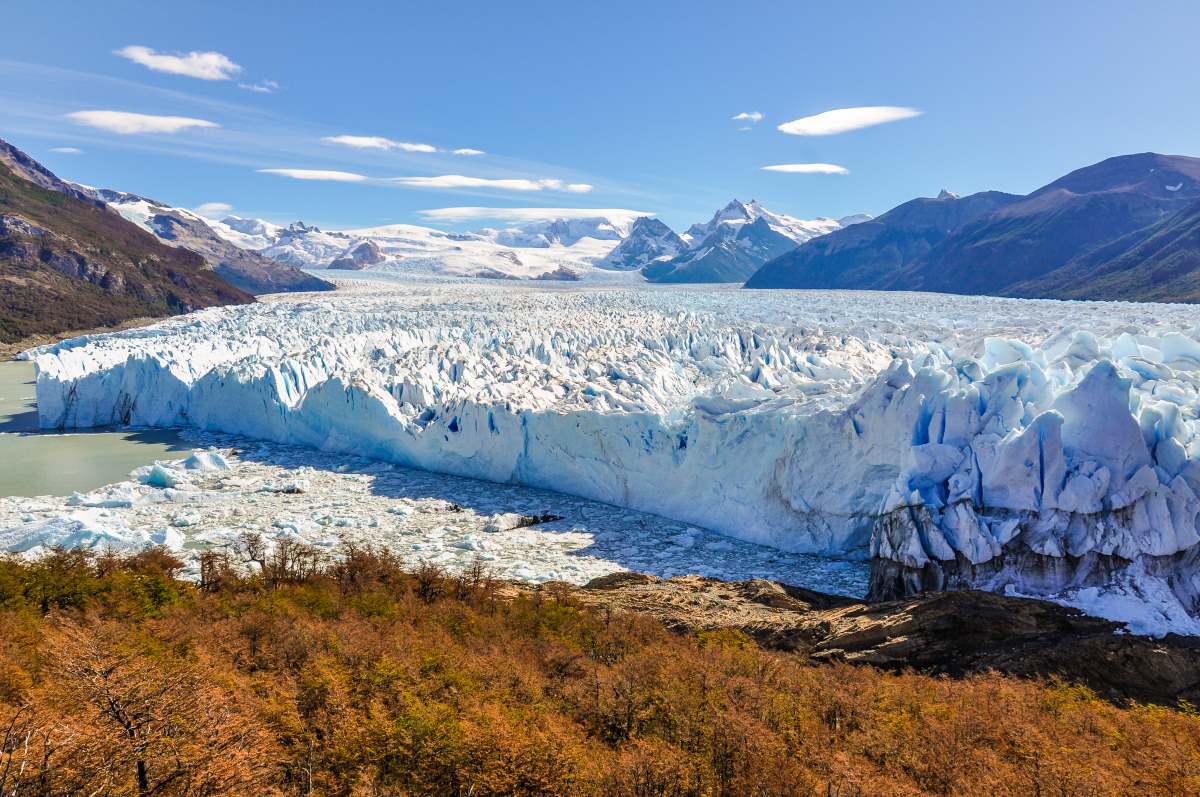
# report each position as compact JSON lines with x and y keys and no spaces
{"x":1119,"y":229}
{"x":243,"y":268}
{"x":68,"y":262}
{"x":649,"y":239}
{"x":1062,"y":221}
{"x":28,"y":169}
{"x":298,"y":244}
{"x":547,"y":249}
{"x":560,"y":232}
{"x":869,"y":253}
{"x":732,"y":245}
{"x":729,"y":254}
{"x":1159,"y":263}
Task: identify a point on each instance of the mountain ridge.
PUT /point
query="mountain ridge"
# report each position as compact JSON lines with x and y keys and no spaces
{"x":1046,"y":244}
{"x":68,"y":262}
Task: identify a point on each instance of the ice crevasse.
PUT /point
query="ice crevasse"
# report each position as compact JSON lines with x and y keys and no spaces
{"x":1044,"y":448}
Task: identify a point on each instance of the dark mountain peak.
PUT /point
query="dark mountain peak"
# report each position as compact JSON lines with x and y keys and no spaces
{"x":649,"y":239}
{"x":29,"y":169}
{"x":1165,"y":177}
{"x":944,"y":194}
{"x":648,"y":224}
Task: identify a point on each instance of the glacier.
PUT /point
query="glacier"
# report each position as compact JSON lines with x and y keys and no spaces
{"x":1037,"y":447}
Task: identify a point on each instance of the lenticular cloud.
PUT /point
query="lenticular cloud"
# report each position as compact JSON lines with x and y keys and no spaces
{"x":843,"y":120}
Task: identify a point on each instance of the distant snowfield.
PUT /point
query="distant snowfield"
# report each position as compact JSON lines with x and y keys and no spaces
{"x":931,"y":432}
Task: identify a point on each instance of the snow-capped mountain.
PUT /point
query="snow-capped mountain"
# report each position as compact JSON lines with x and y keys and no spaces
{"x":239,"y":266}
{"x":732,"y":245}
{"x":550,"y":249}
{"x":648,"y":240}
{"x":726,"y":221}
{"x":563,"y":232}
{"x":297,"y":244}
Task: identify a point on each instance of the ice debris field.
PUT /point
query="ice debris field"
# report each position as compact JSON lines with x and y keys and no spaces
{"x":1044,"y":448}
{"x":234,"y":486}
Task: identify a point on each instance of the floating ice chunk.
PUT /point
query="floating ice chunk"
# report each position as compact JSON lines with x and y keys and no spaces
{"x":157,"y":475}
{"x":205,"y":461}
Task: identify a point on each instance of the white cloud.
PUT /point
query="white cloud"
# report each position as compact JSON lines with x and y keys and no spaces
{"x":754,"y":117}
{"x":468,"y":151}
{"x":205,"y":66}
{"x":378,"y":142}
{"x":67,"y":150}
{"x":129,"y":123}
{"x":317,"y":174}
{"x":452,"y":181}
{"x":842,"y":120}
{"x":454,"y":215}
{"x":213,"y":209}
{"x":261,"y":87}
{"x":807,"y":168}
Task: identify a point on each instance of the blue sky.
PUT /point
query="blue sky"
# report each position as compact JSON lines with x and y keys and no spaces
{"x":632,"y":100}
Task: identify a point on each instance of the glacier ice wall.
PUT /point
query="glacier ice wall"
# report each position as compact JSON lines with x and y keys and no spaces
{"x":959,"y":441}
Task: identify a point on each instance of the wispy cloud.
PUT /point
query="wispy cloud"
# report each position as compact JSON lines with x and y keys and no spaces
{"x":201,"y":65}
{"x":452,"y":181}
{"x":261,"y":87}
{"x":842,"y":120}
{"x":213,"y":209}
{"x":127,"y":123}
{"x":807,"y":168}
{"x":455,"y":215}
{"x":317,"y":174}
{"x":469,"y":152}
{"x":753,"y":117}
{"x":378,"y":142}
{"x":67,"y":150}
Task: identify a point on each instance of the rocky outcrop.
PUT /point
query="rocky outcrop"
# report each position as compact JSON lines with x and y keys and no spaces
{"x":953,"y":633}
{"x":359,"y":257}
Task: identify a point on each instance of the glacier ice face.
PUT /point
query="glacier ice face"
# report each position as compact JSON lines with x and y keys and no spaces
{"x":1042,"y":447}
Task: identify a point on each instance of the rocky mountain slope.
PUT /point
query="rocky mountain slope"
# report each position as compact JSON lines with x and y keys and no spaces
{"x":68,"y":263}
{"x":871,"y":252}
{"x":240,"y":267}
{"x":1158,"y":263}
{"x":1085,"y":235}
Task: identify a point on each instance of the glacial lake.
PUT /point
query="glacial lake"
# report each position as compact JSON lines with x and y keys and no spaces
{"x":33,"y":462}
